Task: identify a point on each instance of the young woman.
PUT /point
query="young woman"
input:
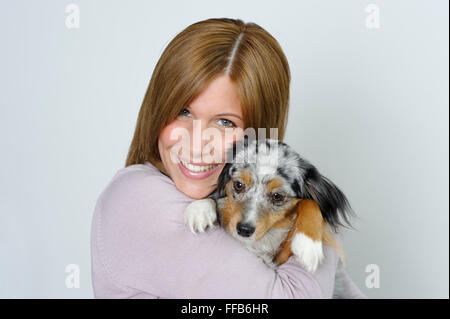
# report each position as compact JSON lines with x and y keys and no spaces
{"x":219,"y":74}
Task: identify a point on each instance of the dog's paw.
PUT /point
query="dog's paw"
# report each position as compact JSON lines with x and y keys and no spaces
{"x":200,"y":214}
{"x":307,"y":251}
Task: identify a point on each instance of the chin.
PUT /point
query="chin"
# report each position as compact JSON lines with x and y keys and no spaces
{"x":196,"y":189}
{"x":195,"y":192}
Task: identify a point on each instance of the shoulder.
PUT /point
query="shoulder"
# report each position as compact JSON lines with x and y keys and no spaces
{"x":135,"y":183}
{"x":129,"y":217}
{"x":136,"y":193}
{"x":138,"y":177}
{"x":136,"y":207}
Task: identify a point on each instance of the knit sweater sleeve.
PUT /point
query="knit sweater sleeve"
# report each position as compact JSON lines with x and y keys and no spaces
{"x":140,"y":248}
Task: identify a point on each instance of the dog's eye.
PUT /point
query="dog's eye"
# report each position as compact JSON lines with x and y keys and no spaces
{"x":238,"y":186}
{"x":277,"y":197}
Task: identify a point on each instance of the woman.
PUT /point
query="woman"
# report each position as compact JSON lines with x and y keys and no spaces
{"x":219,"y":74}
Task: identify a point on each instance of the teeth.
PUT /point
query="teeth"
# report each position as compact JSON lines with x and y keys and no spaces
{"x":198,"y":168}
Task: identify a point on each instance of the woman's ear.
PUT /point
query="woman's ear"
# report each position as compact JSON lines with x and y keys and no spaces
{"x":332,"y":201}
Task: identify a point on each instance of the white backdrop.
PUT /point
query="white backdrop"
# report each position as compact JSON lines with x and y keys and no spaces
{"x":369,"y":108}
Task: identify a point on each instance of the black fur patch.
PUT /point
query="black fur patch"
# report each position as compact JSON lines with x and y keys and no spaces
{"x":224,"y":178}
{"x":332,"y":202}
{"x":282,"y":173}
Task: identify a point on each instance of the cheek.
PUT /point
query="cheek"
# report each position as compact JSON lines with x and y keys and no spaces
{"x":167,"y":137}
{"x":170,"y":142}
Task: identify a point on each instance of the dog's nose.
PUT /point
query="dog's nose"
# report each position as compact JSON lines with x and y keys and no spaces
{"x":245,"y":230}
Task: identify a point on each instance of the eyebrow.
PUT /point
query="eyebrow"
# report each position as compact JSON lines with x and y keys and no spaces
{"x":229,"y":114}
{"x":221,"y":114}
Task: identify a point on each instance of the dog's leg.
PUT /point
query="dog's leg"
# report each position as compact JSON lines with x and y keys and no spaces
{"x":306,"y":243}
{"x":200,"y":214}
{"x":305,"y":237}
{"x":285,"y":249}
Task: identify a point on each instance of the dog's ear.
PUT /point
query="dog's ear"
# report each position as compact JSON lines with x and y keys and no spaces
{"x":333,"y":204}
{"x":224,"y":178}
{"x":225,"y":175}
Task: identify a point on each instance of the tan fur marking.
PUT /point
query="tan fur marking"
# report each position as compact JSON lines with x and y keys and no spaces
{"x":274,"y":184}
{"x":309,"y":221}
{"x":286,"y":222}
{"x":275,"y":220}
{"x":231,"y":212}
{"x":266,"y":222}
{"x":302,"y":215}
{"x":246,"y":178}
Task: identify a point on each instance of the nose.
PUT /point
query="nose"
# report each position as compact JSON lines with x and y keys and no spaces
{"x":245,"y":230}
{"x":202,"y":150}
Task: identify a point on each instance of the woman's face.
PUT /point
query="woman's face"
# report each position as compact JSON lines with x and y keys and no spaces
{"x":194,"y":163}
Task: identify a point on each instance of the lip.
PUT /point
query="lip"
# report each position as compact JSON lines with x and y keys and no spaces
{"x":197,"y":175}
{"x":197,"y":164}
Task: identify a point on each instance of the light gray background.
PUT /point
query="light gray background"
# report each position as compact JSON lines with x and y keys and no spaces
{"x":369,"y":108}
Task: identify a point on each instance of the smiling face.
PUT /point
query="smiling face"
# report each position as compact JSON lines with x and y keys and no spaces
{"x":194,"y":163}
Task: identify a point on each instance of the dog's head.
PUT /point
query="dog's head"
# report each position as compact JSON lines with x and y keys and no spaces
{"x":263,"y":181}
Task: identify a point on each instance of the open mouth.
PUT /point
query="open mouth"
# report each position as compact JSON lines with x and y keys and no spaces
{"x":198,"y":168}
{"x":197,"y":171}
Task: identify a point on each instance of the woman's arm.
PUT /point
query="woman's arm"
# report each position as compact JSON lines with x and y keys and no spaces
{"x":140,"y":242}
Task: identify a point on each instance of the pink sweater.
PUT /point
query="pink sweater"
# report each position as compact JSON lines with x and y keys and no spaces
{"x":140,"y":248}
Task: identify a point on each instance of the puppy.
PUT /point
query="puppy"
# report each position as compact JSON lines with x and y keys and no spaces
{"x":275,"y":202}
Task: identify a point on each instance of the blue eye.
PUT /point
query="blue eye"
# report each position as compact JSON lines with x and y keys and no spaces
{"x":227,"y":123}
{"x":184,"y":112}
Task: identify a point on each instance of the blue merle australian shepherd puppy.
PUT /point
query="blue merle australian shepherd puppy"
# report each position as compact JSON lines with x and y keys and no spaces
{"x":275,"y":202}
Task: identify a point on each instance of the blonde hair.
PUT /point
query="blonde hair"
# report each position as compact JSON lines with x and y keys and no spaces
{"x":203,"y":51}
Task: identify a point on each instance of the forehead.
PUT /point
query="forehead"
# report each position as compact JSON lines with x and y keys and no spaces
{"x":266,"y":161}
{"x":220,"y":96}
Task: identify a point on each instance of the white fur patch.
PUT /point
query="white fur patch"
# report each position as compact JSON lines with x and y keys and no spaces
{"x":307,"y":251}
{"x":200,"y":214}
